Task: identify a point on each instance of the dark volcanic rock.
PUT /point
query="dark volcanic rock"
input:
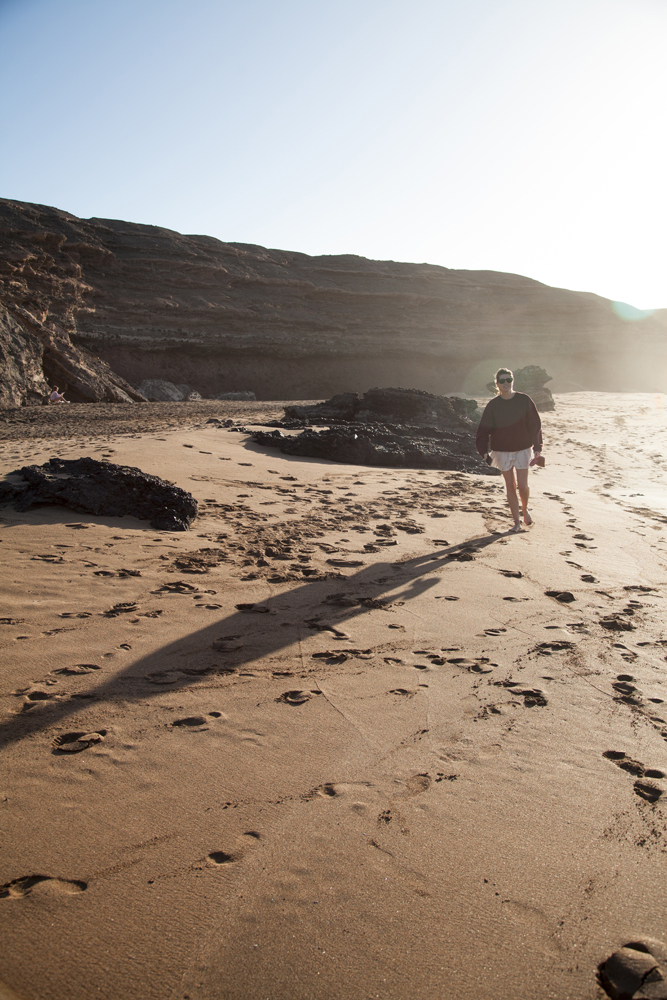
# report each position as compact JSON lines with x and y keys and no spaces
{"x":388,"y":406}
{"x":218,"y":316}
{"x":91,"y":487}
{"x":397,"y":428}
{"x":389,"y":446}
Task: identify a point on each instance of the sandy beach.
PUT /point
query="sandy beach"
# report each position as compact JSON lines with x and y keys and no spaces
{"x":346,"y":737}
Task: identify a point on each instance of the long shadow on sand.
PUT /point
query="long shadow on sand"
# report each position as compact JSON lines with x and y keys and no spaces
{"x":250,"y":633}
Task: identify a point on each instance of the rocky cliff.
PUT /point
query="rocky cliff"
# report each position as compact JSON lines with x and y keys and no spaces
{"x":100,"y":304}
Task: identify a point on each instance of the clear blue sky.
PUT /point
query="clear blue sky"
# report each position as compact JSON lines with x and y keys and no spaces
{"x":511,"y":135}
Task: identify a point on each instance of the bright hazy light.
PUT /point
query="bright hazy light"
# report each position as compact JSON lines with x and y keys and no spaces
{"x":509,"y":135}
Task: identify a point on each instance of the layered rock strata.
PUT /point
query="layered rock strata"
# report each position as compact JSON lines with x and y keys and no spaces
{"x":37,"y":355}
{"x":153,"y":303}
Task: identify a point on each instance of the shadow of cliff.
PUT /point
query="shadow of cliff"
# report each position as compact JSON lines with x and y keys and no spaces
{"x":252,"y":634}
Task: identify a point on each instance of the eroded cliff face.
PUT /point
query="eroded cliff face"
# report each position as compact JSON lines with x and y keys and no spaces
{"x":153,"y":303}
{"x":42,"y":294}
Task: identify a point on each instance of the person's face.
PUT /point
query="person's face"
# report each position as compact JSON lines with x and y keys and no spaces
{"x":505,"y":383}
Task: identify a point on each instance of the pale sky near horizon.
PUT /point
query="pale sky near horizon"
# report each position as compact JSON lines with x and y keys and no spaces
{"x":510,"y":135}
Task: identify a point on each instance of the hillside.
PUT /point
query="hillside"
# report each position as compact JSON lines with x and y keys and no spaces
{"x":102,"y":304}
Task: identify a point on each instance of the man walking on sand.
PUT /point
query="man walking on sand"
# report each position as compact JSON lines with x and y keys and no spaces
{"x":509,"y":430}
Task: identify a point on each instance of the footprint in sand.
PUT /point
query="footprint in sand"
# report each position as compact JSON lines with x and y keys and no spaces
{"x":644,"y":789}
{"x":165,"y":677}
{"x":416,"y":784}
{"x":76,"y":742}
{"x":531,"y":696}
{"x":627,"y":692}
{"x":616,"y":623}
{"x":34,"y":695}
{"x":24,"y":886}
{"x":78,"y":668}
{"x":335,"y":790}
{"x":227,"y":644}
{"x":403,"y":692}
{"x":628,"y":656}
{"x":194,"y":722}
{"x":638,"y":969}
{"x":557,"y":646}
{"x":648,"y":792}
{"x":332,"y":656}
{"x":295,"y":697}
{"x":345,"y":562}
{"x":236,"y":853}
{"x":480,"y":665}
{"x":224,"y":857}
{"x":564,"y":596}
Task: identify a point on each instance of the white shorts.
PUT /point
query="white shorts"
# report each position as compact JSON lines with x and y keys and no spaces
{"x":506,"y":460}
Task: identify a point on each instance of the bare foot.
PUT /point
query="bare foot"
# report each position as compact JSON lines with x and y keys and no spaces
{"x":516,"y":528}
{"x":527,"y":519}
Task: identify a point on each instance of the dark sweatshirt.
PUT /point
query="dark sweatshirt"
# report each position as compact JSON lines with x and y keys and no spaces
{"x":509,"y":425}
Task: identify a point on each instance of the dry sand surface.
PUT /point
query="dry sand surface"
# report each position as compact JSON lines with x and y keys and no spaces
{"x":336,"y":741}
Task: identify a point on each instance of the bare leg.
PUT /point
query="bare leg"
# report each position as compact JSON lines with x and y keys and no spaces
{"x":524,"y":493}
{"x":512,"y":498}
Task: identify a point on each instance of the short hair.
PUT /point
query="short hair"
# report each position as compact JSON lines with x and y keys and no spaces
{"x":503,"y":371}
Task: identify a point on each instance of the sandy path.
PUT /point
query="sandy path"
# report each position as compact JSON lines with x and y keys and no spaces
{"x":427,"y":811}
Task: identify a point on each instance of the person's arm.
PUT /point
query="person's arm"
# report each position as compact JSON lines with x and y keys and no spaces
{"x":535,"y":427}
{"x":486,"y":425}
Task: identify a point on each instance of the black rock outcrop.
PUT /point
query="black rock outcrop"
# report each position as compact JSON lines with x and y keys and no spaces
{"x":395,"y":428}
{"x":388,"y":406}
{"x":91,"y":487}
